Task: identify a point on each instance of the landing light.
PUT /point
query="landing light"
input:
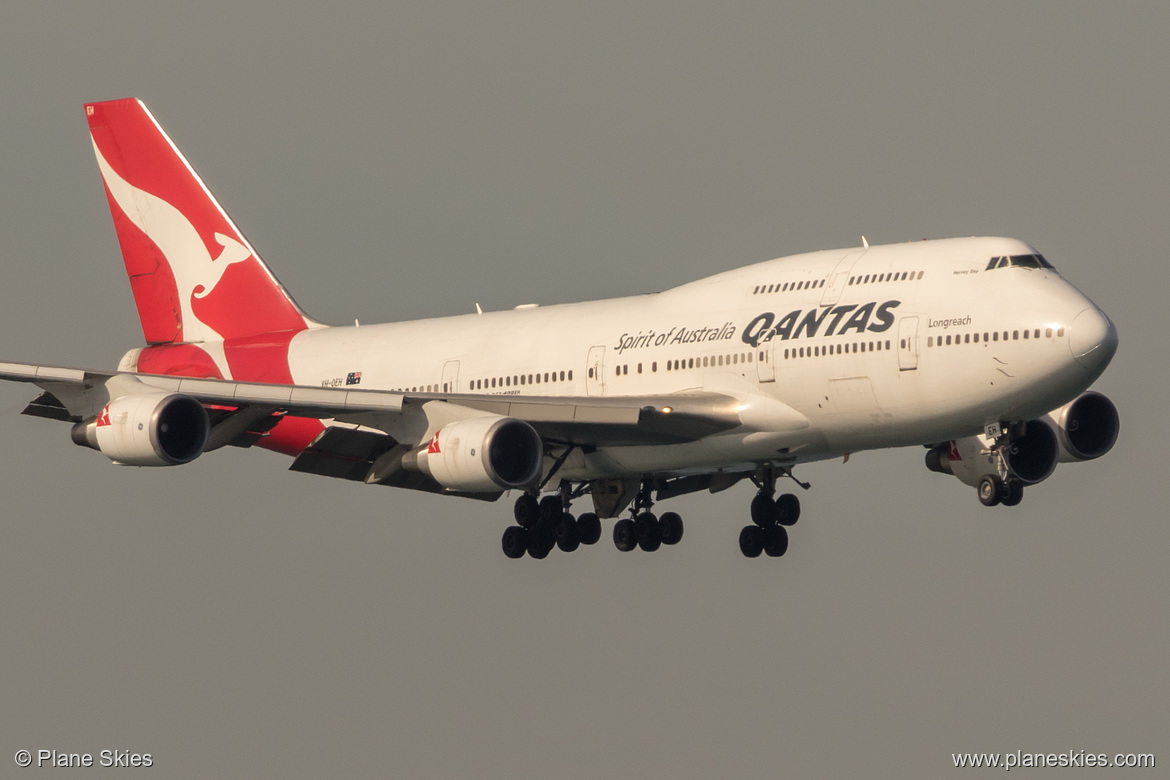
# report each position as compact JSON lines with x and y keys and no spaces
{"x":667,"y":410}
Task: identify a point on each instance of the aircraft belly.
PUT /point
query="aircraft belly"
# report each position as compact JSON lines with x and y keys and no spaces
{"x":709,"y":454}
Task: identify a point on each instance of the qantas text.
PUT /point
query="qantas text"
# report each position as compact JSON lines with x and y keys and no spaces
{"x":838,"y":320}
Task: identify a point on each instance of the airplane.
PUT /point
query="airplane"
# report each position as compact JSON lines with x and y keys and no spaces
{"x":975,"y":348}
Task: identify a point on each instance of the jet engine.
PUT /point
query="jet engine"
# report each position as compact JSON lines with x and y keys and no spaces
{"x":1028,"y":458}
{"x":1087,"y":427}
{"x":151,"y":429}
{"x":481,"y":455}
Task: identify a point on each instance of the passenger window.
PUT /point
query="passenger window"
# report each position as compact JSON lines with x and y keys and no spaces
{"x":570,"y":375}
{"x":967,"y":339}
{"x":920,"y":273}
{"x":1015,"y":335}
{"x":1048,"y":333}
{"x":1037,"y":333}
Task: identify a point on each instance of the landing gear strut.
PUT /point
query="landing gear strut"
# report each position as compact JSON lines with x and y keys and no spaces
{"x":770,"y":516}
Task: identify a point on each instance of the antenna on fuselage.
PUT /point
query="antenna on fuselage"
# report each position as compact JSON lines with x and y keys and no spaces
{"x":864,"y":243}
{"x":478,"y":310}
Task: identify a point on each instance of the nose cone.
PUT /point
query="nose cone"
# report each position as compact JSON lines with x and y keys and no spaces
{"x":1092,"y":339}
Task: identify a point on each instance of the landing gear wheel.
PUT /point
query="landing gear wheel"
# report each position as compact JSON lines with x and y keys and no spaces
{"x":551,"y":508}
{"x":538,"y":546}
{"x":526,"y":511}
{"x":751,"y":541}
{"x":590,"y":528}
{"x":775,"y":541}
{"x":515,"y":541}
{"x":764,"y":511}
{"x":567,"y":534}
{"x":647,"y":532}
{"x":623,"y":535}
{"x":991,"y":490}
{"x":670,"y":525}
{"x":1014,"y":493}
{"x":540,"y":540}
{"x":788,"y":507}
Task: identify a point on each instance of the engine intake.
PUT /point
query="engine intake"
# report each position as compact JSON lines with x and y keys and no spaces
{"x":1032,"y":457}
{"x":151,"y":429}
{"x":480,"y":455}
{"x":1087,"y":427}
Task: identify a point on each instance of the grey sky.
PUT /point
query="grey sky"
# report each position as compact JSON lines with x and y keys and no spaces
{"x":234,"y":619}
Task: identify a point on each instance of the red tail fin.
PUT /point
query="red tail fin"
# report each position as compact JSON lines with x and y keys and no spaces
{"x":195,"y":277}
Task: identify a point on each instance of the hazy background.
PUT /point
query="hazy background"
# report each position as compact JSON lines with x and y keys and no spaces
{"x":234,"y":619}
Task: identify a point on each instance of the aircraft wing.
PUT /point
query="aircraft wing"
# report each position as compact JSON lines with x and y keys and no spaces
{"x":239,"y":408}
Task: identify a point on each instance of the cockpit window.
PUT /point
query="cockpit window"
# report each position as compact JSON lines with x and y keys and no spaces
{"x":1019,"y":261}
{"x":1030,"y":261}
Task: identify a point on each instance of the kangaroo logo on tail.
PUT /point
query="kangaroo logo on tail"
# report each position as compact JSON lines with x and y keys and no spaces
{"x":195,"y":278}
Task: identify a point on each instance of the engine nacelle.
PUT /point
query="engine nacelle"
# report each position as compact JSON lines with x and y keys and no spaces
{"x":1030,"y":458}
{"x":1086,"y":427}
{"x":481,"y":455}
{"x":151,"y":429}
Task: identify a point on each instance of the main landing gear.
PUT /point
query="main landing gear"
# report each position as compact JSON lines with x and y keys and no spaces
{"x":643,"y":529}
{"x":546,"y":523}
{"x":770,"y":517}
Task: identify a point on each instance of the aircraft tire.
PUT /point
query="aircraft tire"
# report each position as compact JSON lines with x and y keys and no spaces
{"x":751,"y":541}
{"x":590,"y":527}
{"x":623,"y":535}
{"x":568,"y":535}
{"x":550,"y":509}
{"x":776,"y":541}
{"x":515,"y":541}
{"x":647,"y":532}
{"x":991,"y":490}
{"x":764,"y":511}
{"x":788,"y":509}
{"x":526,"y":511}
{"x":1013,"y":494}
{"x":671,"y":527}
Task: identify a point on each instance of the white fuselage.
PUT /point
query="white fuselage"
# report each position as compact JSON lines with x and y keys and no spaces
{"x":828,"y":353}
